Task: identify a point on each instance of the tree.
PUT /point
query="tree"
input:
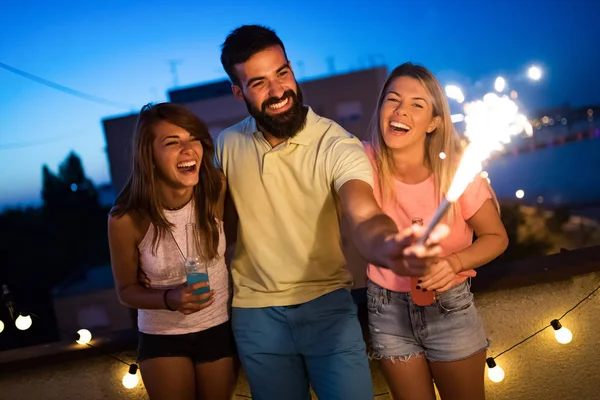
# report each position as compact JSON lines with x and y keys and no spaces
{"x":42,"y":247}
{"x":69,"y":191}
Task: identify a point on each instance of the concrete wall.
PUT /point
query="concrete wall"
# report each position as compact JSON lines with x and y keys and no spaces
{"x":118,"y":133}
{"x":539,"y":369}
{"x":99,"y":311}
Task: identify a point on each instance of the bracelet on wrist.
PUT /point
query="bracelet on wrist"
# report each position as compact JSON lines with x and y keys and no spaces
{"x":462,"y":268}
{"x":167,"y":306}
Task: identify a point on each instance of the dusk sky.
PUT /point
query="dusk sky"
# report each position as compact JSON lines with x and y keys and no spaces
{"x":120,"y":51}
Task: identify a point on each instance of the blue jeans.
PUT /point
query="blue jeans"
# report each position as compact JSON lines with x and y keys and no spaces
{"x":284,"y":350}
{"x":447,"y":330}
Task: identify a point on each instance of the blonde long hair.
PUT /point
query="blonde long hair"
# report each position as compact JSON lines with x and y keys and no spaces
{"x":443,"y":139}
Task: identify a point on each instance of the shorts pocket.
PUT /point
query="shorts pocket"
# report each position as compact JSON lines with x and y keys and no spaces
{"x":374,"y":303}
{"x":457,"y":299}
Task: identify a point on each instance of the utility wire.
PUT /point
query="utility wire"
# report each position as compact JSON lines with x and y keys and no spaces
{"x":65,"y":89}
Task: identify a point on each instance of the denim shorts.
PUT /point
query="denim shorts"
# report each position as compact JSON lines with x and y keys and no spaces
{"x":447,"y":330}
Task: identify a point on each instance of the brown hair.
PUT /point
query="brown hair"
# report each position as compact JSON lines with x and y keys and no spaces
{"x":140,"y":194}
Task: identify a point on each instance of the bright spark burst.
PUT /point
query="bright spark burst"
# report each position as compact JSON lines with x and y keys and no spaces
{"x":490,"y":124}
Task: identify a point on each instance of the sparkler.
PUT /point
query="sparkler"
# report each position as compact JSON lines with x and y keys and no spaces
{"x":490,"y":124}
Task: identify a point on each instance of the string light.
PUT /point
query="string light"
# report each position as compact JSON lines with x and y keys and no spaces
{"x":495,"y":373}
{"x":85,"y":336}
{"x":562,"y":334}
{"x":130,"y":380}
{"x":23,"y":322}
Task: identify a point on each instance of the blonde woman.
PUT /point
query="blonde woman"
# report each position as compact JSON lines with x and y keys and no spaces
{"x":443,"y":342}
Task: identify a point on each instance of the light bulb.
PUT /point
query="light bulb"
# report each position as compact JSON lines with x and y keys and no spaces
{"x":85,"y":336}
{"x":442,"y":155}
{"x":1,"y":326}
{"x":495,"y":373}
{"x":534,"y":72}
{"x":23,"y":322}
{"x":130,"y":380}
{"x":500,"y":84}
{"x":520,"y":194}
{"x":562,"y":334}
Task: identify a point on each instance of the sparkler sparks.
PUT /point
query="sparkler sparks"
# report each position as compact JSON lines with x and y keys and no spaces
{"x":490,"y":124}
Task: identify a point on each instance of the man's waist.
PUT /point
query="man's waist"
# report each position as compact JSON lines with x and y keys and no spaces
{"x":246,"y":297}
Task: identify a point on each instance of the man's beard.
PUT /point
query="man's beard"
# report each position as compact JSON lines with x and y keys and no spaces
{"x":283,"y":125}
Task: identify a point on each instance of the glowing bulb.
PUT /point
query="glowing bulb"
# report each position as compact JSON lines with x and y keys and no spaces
{"x":23,"y":322}
{"x":495,"y":373}
{"x":130,"y":380}
{"x":443,"y":155}
{"x":484,"y":174}
{"x":520,"y":194}
{"x":562,"y":334}
{"x":455,"y":93}
{"x":534,"y":73}
{"x":85,"y":336}
{"x":500,"y":84}
{"x":1,"y":326}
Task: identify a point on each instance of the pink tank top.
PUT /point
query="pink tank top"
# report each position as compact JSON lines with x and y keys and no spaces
{"x":165,"y":269}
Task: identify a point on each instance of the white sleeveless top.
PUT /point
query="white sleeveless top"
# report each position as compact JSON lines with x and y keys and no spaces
{"x":165,"y":269}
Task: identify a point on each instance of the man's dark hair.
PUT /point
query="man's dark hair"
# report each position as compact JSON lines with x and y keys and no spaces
{"x":242,"y":43}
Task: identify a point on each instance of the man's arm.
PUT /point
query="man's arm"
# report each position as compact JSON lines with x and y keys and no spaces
{"x":377,"y":237}
{"x":368,"y":224}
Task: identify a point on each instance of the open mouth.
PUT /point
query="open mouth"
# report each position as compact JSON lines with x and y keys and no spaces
{"x":278,"y":106}
{"x":399,"y":127}
{"x":187,"y":167}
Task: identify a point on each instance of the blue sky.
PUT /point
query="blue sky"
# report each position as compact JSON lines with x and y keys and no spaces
{"x":120,"y":50}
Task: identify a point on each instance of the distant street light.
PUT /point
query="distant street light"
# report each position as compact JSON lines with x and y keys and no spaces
{"x":500,"y":84}
{"x":534,"y":73}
